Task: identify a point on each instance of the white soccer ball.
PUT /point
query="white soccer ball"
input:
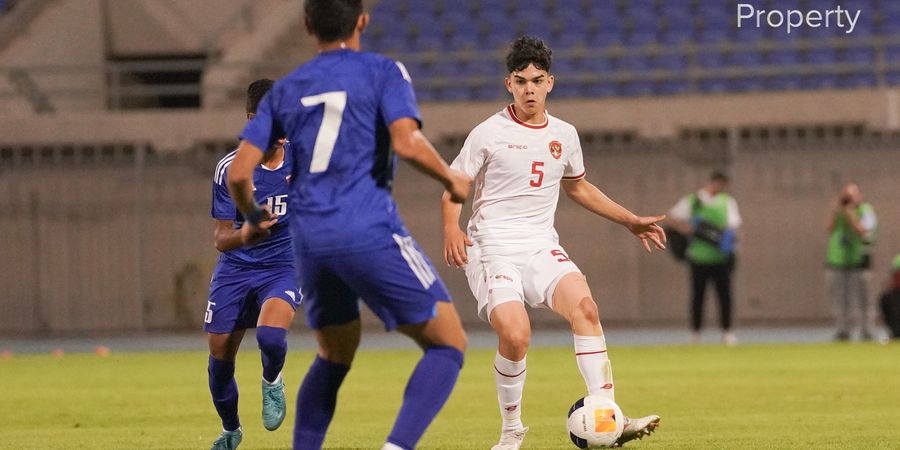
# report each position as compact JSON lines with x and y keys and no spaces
{"x":595,"y":422}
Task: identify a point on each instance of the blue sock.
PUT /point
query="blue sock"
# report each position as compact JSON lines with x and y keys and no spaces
{"x":273,"y":346}
{"x":426,"y":392}
{"x":224,"y":392}
{"x":315,"y":403}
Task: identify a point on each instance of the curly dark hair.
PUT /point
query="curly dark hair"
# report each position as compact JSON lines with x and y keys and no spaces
{"x":256,"y":91}
{"x":528,"y":50}
{"x":332,"y":20}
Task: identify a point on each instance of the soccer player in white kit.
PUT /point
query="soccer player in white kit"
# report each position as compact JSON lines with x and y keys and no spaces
{"x":519,"y":158}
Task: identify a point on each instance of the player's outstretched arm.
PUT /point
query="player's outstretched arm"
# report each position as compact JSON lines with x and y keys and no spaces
{"x":411,"y":145}
{"x":258,"y":220}
{"x":587,"y":195}
{"x":455,"y":240}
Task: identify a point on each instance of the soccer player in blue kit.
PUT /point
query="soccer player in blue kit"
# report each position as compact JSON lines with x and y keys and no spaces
{"x":254,"y":285}
{"x":341,"y":112}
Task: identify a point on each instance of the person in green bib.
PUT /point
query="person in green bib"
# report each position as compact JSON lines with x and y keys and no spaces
{"x":851,"y":226}
{"x":710,"y":219}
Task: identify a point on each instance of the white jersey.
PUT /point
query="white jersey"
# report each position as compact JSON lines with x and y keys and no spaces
{"x":517,"y":169}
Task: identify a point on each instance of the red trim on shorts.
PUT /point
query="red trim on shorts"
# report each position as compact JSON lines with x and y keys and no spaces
{"x":590,"y":353}
{"x":512,"y":114}
{"x":509,"y":376}
{"x":576,"y":177}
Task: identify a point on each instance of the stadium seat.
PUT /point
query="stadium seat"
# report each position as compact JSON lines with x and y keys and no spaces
{"x":633,"y":63}
{"x":784,"y":82}
{"x":858,"y":80}
{"x":892,"y":78}
{"x":744,"y":58}
{"x":746,"y":84}
{"x":784,"y":57}
{"x":710,"y":60}
{"x":826,"y":81}
{"x":857,"y":55}
{"x":670,"y":61}
{"x":604,"y":89}
{"x":567,"y":90}
{"x":673,"y":87}
{"x":713,"y":85}
{"x":637,"y":88}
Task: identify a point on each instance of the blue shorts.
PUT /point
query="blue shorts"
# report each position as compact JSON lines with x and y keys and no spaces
{"x":236,"y":295}
{"x":398,"y":283}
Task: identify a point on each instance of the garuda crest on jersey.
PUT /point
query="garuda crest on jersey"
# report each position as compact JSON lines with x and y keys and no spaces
{"x":555,"y":149}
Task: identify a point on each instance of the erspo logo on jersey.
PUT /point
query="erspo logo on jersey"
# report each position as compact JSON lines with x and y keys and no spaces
{"x":555,"y":149}
{"x":517,"y":147}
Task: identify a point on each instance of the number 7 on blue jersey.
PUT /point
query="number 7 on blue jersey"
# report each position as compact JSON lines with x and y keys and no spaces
{"x":328,"y":131}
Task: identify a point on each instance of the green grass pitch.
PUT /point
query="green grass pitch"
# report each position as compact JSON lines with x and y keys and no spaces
{"x":709,"y":397}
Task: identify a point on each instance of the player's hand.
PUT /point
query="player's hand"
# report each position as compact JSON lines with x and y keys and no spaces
{"x":252,"y":234}
{"x":455,"y":243}
{"x":459,"y":186}
{"x":646,"y":229}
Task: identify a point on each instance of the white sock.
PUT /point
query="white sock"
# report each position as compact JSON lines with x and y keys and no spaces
{"x":277,"y":379}
{"x":389,"y":446}
{"x":510,"y":379}
{"x":593,"y":362}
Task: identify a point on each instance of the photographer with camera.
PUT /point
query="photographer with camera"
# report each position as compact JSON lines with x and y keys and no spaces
{"x":709,"y":219}
{"x":852,"y":225}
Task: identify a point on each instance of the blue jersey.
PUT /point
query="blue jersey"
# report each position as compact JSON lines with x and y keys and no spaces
{"x":270,"y":187}
{"x":335,"y":111}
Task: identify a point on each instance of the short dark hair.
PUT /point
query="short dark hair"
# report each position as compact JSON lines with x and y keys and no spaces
{"x":256,"y":91}
{"x":718,"y":175}
{"x":332,"y":20}
{"x":528,"y":50}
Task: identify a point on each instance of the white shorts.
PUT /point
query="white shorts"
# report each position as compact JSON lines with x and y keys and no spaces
{"x":522,"y":273}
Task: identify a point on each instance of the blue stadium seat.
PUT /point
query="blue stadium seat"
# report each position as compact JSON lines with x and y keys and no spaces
{"x":820,"y":56}
{"x":745,"y":58}
{"x":491,"y":92}
{"x":596,"y":64}
{"x":825,"y":81}
{"x":713,"y":85}
{"x":749,"y":34}
{"x":569,"y":40}
{"x":455,"y":94}
{"x":712,"y":35}
{"x":426,"y":94}
{"x":566,"y":90}
{"x":746,"y":84}
{"x":675,"y":36}
{"x":633,"y":63}
{"x":639,"y":37}
{"x":784,"y":82}
{"x":428,"y":42}
{"x":785,"y":57}
{"x":858,"y":55}
{"x":566,"y":66}
{"x":710,"y":60}
{"x":673,"y":87}
{"x":604,"y":38}
{"x":670,"y":61}
{"x":463,"y":41}
{"x":892,"y":54}
{"x":892,"y":78}
{"x":857,"y":80}
{"x":600,"y":90}
{"x":637,"y":88}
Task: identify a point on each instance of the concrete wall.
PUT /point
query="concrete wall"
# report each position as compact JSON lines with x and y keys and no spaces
{"x":648,"y":117}
{"x":90,"y":249}
{"x":66,"y":33}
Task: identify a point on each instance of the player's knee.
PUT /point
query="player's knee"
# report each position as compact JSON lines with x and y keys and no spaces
{"x":516,"y":340}
{"x":271,"y":339}
{"x":338,"y":354}
{"x":587,"y":311}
